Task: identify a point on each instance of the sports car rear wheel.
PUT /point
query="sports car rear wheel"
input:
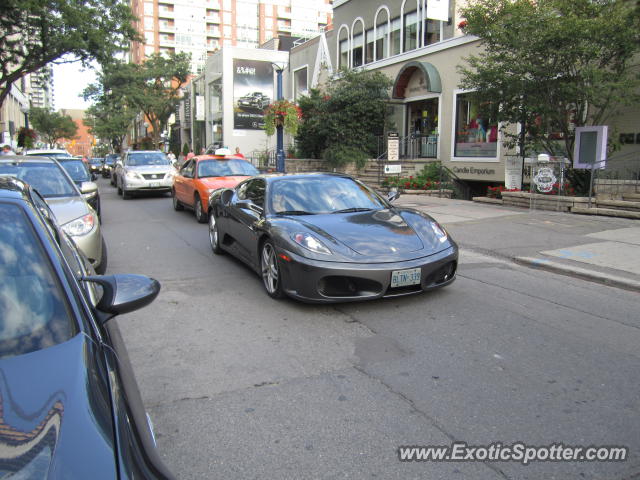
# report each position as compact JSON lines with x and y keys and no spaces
{"x":214,"y":237}
{"x":270,"y":271}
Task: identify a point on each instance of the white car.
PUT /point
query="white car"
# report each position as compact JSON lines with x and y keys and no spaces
{"x":144,"y":171}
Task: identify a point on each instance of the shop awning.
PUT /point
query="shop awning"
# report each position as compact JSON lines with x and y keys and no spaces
{"x":431,"y":76}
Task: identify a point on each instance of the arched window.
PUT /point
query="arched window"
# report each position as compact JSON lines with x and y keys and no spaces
{"x":343,"y":47}
{"x":357,"y":43}
{"x":381,"y":33}
{"x":410,"y":26}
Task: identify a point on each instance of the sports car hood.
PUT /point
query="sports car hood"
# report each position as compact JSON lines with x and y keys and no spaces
{"x":222,"y":182}
{"x":67,"y":209}
{"x":55,"y":420}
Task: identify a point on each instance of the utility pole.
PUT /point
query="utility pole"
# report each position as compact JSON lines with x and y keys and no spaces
{"x":279,"y":128}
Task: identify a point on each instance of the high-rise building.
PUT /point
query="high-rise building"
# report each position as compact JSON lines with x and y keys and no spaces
{"x":201,"y":27}
{"x":39,"y":88}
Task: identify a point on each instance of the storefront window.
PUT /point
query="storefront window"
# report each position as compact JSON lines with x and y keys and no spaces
{"x":476,"y":135}
{"x":410,"y":31}
{"x":381,"y":41}
{"x":300,"y":82}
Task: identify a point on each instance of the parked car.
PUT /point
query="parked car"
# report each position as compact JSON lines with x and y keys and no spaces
{"x":329,"y":238}
{"x":201,"y":175}
{"x":70,"y":405}
{"x":143,"y":171}
{"x":76,"y":216}
{"x":84,"y":180}
{"x":109,"y":164}
{"x":95,"y":164}
{"x":52,"y":152}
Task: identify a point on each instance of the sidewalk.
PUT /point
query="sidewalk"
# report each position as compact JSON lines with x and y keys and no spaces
{"x":599,"y":249}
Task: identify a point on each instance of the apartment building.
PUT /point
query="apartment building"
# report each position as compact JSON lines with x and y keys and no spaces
{"x":39,"y":88}
{"x":201,"y":27}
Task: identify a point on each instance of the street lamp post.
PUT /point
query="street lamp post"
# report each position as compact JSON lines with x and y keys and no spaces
{"x":279,"y":128}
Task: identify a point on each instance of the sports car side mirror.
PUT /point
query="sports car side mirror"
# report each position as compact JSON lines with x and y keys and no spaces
{"x":123,"y":293}
{"x":393,"y":194}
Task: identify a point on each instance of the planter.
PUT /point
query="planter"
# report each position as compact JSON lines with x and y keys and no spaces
{"x":558,"y":203}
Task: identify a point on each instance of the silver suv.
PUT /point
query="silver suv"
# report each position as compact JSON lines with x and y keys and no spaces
{"x":143,"y":171}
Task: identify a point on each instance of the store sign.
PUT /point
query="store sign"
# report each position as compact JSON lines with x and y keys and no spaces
{"x":252,"y":93}
{"x":544,"y":179}
{"x":200,"y":108}
{"x":513,"y":173}
{"x":393,"y":147}
{"x":438,"y":10}
{"x":395,"y":168}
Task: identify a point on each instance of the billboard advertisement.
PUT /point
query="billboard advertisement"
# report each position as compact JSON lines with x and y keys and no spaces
{"x":252,"y":93}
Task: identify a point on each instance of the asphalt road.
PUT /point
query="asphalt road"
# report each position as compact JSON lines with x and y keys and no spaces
{"x":242,"y":386}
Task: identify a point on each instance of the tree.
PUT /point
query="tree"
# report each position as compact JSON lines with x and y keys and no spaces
{"x":153,"y":87}
{"x":343,"y":123}
{"x":36,"y":33}
{"x":52,"y":126}
{"x":552,"y":65}
{"x":109,"y":117}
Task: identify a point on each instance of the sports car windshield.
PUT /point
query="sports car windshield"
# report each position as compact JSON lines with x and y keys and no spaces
{"x":315,"y":195}
{"x":147,"y":158}
{"x":225,"y":168}
{"x":47,"y":178}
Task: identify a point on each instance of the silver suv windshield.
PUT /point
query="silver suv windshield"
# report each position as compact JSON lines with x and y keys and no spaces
{"x":137,"y":159}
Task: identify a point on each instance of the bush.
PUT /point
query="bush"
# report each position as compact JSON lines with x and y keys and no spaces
{"x":431,"y":177}
{"x":341,"y":155}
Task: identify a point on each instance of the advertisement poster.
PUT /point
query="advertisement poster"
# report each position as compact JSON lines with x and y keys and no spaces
{"x":252,"y":92}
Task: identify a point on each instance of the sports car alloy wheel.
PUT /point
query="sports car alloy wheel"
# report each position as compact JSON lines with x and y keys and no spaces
{"x":213,"y":235}
{"x":270,"y":271}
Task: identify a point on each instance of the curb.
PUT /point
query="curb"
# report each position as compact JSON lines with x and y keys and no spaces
{"x":590,"y":275}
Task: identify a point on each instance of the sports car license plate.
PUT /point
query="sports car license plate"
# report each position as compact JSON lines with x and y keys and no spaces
{"x":155,"y":184}
{"x":402,"y":278}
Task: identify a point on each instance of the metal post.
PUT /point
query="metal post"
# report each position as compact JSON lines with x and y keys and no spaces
{"x":279,"y":129}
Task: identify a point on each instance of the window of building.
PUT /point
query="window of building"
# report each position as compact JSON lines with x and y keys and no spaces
{"x":410,"y":31}
{"x":148,"y":8}
{"x":149,"y":38}
{"x":357,"y":54}
{"x":148,"y":23}
{"x":381,"y":41}
{"x":343,"y":54}
{"x":300,"y":82}
{"x":368,"y":51}
{"x":394,"y":36}
{"x":431,"y":31}
{"x":475,"y":134}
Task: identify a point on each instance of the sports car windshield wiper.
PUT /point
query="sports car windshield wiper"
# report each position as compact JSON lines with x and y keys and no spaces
{"x":294,"y":212}
{"x":353,"y":209}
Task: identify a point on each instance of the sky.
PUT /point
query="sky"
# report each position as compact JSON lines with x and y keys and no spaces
{"x":70,"y":79}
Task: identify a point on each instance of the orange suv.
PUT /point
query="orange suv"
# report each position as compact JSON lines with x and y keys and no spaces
{"x":201,"y":175}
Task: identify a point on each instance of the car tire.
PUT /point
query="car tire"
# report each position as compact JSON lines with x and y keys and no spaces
{"x":201,"y":216}
{"x":177,"y":206}
{"x":270,"y":270}
{"x":125,"y":194}
{"x":102,"y":268}
{"x":214,"y":234}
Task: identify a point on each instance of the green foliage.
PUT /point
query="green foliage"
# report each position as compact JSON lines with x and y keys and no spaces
{"x":35,"y":33}
{"x":553,"y":64}
{"x":338,"y":155}
{"x":26,"y":137}
{"x":185,"y":149}
{"x":153,"y":88}
{"x":100,"y":150}
{"x":282,"y":112}
{"x":52,"y":126}
{"x":579,"y":180}
{"x":351,"y":113}
{"x":431,"y":177}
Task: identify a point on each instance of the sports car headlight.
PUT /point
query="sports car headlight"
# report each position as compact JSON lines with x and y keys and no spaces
{"x":80,"y":226}
{"x":440,"y":232}
{"x":310,"y":243}
{"x":133,"y":175}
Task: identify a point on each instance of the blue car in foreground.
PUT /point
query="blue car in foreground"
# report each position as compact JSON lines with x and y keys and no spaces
{"x":69,"y":403}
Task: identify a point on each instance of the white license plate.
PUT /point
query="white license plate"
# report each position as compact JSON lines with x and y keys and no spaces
{"x":402,"y":278}
{"x":155,"y":184}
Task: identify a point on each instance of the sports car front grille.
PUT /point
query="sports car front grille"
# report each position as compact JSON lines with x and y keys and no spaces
{"x":342,"y":286}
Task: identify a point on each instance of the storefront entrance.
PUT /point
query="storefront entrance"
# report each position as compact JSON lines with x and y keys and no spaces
{"x":422,"y":128}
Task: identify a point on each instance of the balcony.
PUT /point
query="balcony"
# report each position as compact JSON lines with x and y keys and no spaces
{"x":166,"y":27}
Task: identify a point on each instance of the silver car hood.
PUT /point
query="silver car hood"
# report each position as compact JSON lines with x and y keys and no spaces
{"x":67,"y":209}
{"x":149,"y":168}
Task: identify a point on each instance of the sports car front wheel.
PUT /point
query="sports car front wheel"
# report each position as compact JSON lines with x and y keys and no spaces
{"x":214,"y":237}
{"x":271,"y":275}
